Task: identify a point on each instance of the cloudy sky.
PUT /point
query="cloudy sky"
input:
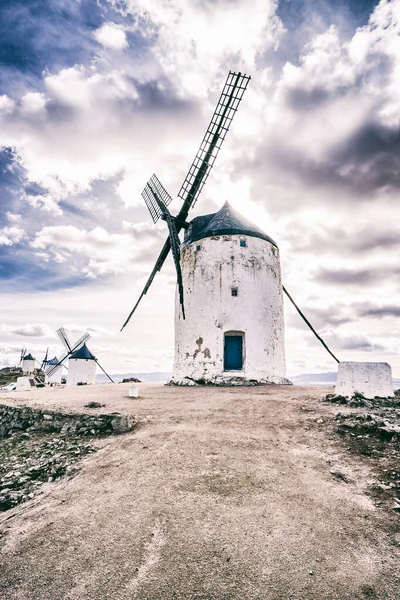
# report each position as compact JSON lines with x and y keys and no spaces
{"x":97,"y":95}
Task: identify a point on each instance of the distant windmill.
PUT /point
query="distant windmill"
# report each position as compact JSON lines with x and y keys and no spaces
{"x":69,"y":349}
{"x":77,"y":352}
{"x":157,"y":198}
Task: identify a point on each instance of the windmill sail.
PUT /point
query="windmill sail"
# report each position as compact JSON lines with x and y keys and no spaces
{"x":62,"y":334}
{"x":198,"y":173}
{"x":228,"y":103}
{"x":23,"y":352}
{"x":156,"y":197}
{"x":44,"y":362}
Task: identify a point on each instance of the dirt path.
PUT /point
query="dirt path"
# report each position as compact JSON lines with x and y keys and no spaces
{"x":220,"y":494}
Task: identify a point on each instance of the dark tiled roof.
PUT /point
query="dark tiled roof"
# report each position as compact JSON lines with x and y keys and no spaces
{"x":52,"y":361}
{"x":83,"y":352}
{"x":226,"y":221}
{"x":28,"y":357}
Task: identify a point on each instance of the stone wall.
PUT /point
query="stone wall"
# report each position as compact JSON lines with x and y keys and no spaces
{"x":23,"y":418}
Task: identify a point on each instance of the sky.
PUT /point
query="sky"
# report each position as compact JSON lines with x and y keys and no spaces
{"x":95,"y":96}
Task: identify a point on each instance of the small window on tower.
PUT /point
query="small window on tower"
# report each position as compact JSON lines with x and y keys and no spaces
{"x":243,"y":243}
{"x":234,"y":291}
{"x":198,"y":248}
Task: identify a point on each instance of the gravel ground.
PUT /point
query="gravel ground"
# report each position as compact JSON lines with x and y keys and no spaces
{"x":219,"y":494}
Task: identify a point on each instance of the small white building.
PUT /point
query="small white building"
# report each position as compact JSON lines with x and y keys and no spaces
{"x":81,"y":367}
{"x":233,"y":303}
{"x":28,"y":364}
{"x":54,"y":377}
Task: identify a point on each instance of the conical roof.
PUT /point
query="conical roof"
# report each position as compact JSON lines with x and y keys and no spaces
{"x":52,"y":361}
{"x":28,"y":357}
{"x":83,"y":352}
{"x":227,"y":221}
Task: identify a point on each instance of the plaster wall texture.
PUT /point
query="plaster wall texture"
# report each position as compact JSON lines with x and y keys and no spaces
{"x":369,"y":378}
{"x":28,"y":366}
{"x":209,"y":274}
{"x":81,"y":370}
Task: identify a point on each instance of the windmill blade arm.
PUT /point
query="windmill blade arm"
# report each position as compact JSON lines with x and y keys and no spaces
{"x":81,"y":341}
{"x":227,"y":106}
{"x":112,"y":380}
{"x":176,"y":253}
{"x":159,"y":263}
{"x":62,"y":334}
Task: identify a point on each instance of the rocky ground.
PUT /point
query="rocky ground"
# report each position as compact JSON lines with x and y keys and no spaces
{"x":370,"y":429}
{"x":29,"y":460}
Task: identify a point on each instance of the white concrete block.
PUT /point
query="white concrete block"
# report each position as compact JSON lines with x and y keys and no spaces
{"x":133,"y":391}
{"x":23,"y":384}
{"x":369,"y":378}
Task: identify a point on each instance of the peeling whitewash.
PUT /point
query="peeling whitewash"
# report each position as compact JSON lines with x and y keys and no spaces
{"x":256,"y":312}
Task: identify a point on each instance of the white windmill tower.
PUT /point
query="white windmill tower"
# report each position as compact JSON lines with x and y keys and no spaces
{"x":28,"y":364}
{"x":81,"y":367}
{"x":233,"y":303}
{"x":229,"y":308}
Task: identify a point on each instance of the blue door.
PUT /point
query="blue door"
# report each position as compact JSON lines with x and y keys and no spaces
{"x":233,"y":353}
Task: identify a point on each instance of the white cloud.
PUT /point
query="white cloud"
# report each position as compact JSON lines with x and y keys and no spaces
{"x":11,"y":235}
{"x":104,"y":252}
{"x":112,"y":36}
{"x":194,"y":40}
{"x":6,"y":105}
{"x":28,"y":330}
{"x":33,"y":104}
{"x":13,"y":217}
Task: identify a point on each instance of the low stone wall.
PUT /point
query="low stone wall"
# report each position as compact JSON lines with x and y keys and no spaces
{"x":23,"y":418}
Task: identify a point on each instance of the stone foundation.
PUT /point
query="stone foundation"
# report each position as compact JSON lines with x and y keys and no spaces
{"x":221,"y":381}
{"x":23,"y":418}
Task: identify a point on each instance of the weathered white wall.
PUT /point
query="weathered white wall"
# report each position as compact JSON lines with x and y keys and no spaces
{"x":81,"y":370}
{"x":28,"y":366}
{"x":211,"y":310}
{"x":369,"y":378}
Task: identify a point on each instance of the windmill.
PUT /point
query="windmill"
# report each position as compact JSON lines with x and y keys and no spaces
{"x":68,"y":350}
{"x":76,"y":352}
{"x":225,"y":337}
{"x":157,"y":198}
